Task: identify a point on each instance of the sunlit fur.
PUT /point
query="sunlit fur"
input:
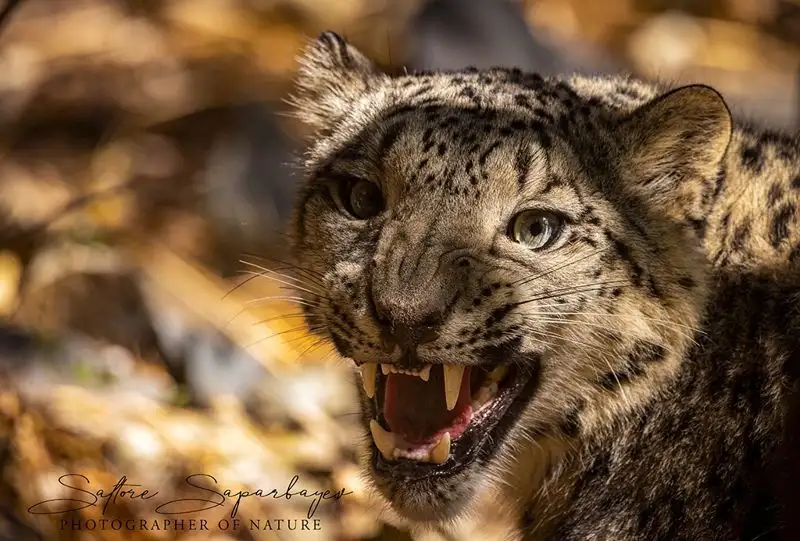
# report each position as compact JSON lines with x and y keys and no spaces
{"x":652,"y":186}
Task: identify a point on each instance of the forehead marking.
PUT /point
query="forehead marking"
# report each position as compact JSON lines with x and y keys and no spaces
{"x":522,"y":165}
{"x":390,"y":138}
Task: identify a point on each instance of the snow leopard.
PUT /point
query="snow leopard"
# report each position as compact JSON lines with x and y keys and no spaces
{"x":571,"y":302}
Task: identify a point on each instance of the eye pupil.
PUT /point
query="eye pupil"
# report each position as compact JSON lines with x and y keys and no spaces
{"x":365,"y":199}
{"x":535,"y":229}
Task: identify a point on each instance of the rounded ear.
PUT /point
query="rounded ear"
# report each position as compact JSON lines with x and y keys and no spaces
{"x":682,"y":133}
{"x":332,"y":76}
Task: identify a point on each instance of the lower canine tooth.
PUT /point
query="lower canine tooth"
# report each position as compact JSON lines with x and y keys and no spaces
{"x":384,"y":440}
{"x":368,"y":373}
{"x":425,"y":373}
{"x":453,"y":374}
{"x":441,"y":452}
{"x":498,"y":373}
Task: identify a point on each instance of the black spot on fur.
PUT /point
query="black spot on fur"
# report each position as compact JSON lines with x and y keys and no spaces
{"x":533,"y":81}
{"x":686,"y":282}
{"x":421,"y":91}
{"x":611,"y":381}
{"x":501,"y":353}
{"x":780,"y":224}
{"x":633,"y":366}
{"x":726,"y":219}
{"x":796,"y":182}
{"x":522,"y":101}
{"x":571,"y":424}
{"x":775,"y":193}
{"x":554,"y":182}
{"x":624,"y":253}
{"x":719,"y":186}
{"x":518,"y":125}
{"x":485,"y":156}
{"x":498,"y":314}
{"x":522,"y":165}
{"x":541,"y":134}
{"x":753,"y":158}
{"x":543,"y":114}
{"x":341,"y":344}
{"x":590,"y":241}
{"x":631,"y":92}
{"x":740,"y":237}
{"x":699,"y":226}
{"x":794,"y":255}
{"x":655,"y":291}
{"x":644,"y":353}
{"x":390,"y":138}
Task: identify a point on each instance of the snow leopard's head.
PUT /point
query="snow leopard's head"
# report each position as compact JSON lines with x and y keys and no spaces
{"x":508,"y":260}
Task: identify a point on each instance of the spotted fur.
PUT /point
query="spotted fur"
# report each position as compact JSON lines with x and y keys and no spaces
{"x":663,"y":326}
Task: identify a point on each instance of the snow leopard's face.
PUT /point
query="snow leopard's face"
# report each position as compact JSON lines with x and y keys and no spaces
{"x":502,"y":259}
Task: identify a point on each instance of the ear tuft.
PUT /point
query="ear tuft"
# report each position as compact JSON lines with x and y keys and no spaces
{"x":332,"y":76}
{"x":683,"y":132}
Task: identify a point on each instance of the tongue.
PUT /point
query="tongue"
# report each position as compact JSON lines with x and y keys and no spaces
{"x":417,"y":410}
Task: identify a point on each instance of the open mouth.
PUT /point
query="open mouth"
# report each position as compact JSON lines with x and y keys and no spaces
{"x":437,"y":419}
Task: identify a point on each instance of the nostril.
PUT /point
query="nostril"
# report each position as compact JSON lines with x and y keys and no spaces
{"x":428,"y":333}
{"x":411,"y":335}
{"x":404,"y":326}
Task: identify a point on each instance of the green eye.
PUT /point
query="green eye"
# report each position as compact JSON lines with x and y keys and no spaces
{"x":536,"y":229}
{"x":362,"y":199}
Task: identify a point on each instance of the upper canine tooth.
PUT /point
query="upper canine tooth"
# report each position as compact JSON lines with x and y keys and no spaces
{"x":386,"y":368}
{"x":453,"y":374}
{"x":425,"y":373}
{"x":384,"y":440}
{"x":441,"y":452}
{"x":368,"y":373}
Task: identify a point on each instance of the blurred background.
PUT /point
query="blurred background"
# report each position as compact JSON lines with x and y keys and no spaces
{"x":147,"y":169}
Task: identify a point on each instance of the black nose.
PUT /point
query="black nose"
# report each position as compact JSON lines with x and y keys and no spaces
{"x":408,"y":333}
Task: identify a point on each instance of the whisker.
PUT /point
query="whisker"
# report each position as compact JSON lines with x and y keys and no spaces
{"x":294,"y":287}
{"x":554,"y":269}
{"x":584,"y":323}
{"x":282,"y":316}
{"x":294,"y":329}
{"x":286,"y":298}
{"x":664,"y":322}
{"x":240,"y":284}
{"x":269,"y":270}
{"x":305,"y":336}
{"x":559,"y":337}
{"x":318,"y":343}
{"x":572,"y":290}
{"x":308,"y":273}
